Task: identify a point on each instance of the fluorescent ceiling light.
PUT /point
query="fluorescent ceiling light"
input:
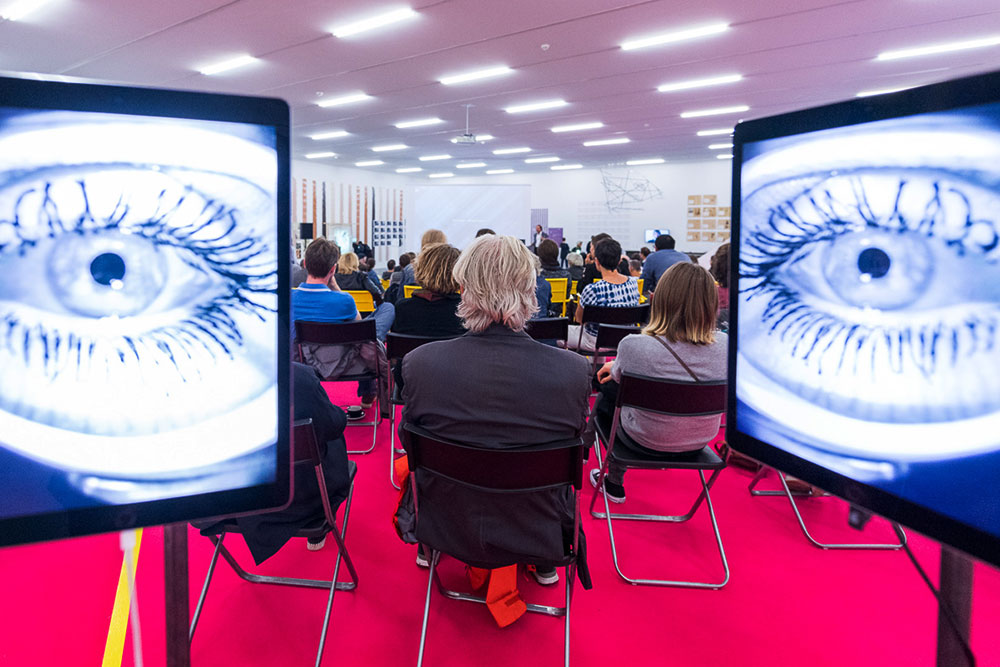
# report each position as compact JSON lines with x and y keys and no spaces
{"x":418,"y":123}
{"x":479,"y":138}
{"x":715,"y":147}
{"x":724,"y":157}
{"x":316,"y":156}
{"x":607,"y":142}
{"x":389,"y":147}
{"x":699,"y":83}
{"x":536,"y":106}
{"x":335,"y":134}
{"x":343,"y":99}
{"x":676,"y":36}
{"x":408,"y":170}
{"x":19,"y":10}
{"x":499,"y":171}
{"x":939,"y":48}
{"x":540,"y":160}
{"x":718,"y":111}
{"x":369,"y":163}
{"x":388,"y":18}
{"x":883,"y":91}
{"x":475,"y":76}
{"x":470,"y":165}
{"x":431,"y":158}
{"x":444,"y":174}
{"x":227,"y":65}
{"x":578,"y":126}
{"x":712,"y":133}
{"x":652,"y":160}
{"x":512,"y":151}
{"x":562,"y":167}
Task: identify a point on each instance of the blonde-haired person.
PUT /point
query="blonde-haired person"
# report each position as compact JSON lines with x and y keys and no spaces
{"x":430,"y":237}
{"x":495,"y":386}
{"x":432,"y":310}
{"x":350,"y":277}
{"x":681,"y":323}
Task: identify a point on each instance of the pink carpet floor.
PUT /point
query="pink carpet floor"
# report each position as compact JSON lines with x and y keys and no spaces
{"x":788,"y":603}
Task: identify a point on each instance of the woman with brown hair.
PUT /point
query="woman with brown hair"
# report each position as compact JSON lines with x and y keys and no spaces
{"x":679,"y":343}
{"x":430,"y":311}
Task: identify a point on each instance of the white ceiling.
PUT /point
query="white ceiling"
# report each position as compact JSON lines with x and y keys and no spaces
{"x":792,"y":53}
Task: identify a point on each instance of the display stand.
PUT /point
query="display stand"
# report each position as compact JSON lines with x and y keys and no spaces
{"x":175,"y":580}
{"x":956,"y":593}
{"x":787,"y":492}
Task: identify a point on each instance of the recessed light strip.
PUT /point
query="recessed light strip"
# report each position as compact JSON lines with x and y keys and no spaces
{"x":389,"y":147}
{"x":719,"y":111}
{"x":712,"y":133}
{"x":536,"y":106}
{"x":883,"y":91}
{"x":343,"y":99}
{"x":475,"y":76}
{"x":368,"y":163}
{"x":334,"y":134}
{"x":374,"y":22}
{"x":540,"y":160}
{"x":470,"y":165}
{"x":724,"y":157}
{"x":699,"y":83}
{"x":499,"y":171}
{"x":512,"y":151}
{"x":444,"y":174}
{"x":607,"y":142}
{"x":408,"y":170}
{"x":915,"y":52}
{"x":431,"y":158}
{"x":18,"y":10}
{"x":715,"y":147}
{"x":227,"y":65}
{"x":317,"y":156}
{"x":577,"y":127}
{"x":563,"y":167}
{"x":418,"y":123}
{"x":652,"y":160}
{"x":676,"y":36}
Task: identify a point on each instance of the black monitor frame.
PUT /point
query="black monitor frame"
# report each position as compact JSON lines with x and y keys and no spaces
{"x":134,"y":101}
{"x":966,"y":92}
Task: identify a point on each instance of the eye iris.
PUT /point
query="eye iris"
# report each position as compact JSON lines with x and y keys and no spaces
{"x":874,"y":262}
{"x":107,"y":268}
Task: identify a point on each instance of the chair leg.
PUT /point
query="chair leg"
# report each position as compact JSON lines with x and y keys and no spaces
{"x":392,"y":448}
{"x":761,"y":474}
{"x":435,"y":555}
{"x":204,"y":589}
{"x":668,"y":518}
{"x":570,"y":574}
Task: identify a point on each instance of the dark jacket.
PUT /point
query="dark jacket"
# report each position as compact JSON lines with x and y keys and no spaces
{"x":360,"y":282}
{"x":427,"y":313}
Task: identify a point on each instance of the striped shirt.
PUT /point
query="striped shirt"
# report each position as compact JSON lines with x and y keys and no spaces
{"x":603,"y":293}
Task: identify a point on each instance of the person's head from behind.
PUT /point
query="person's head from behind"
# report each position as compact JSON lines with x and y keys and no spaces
{"x":684,"y":305}
{"x":645,"y":252}
{"x":348,"y":263}
{"x":370,"y":263}
{"x":321,"y":258}
{"x":635,"y":267}
{"x":574,"y":259}
{"x":484,"y":231}
{"x":608,"y":254}
{"x":720,"y":265}
{"x":404,"y":260}
{"x":390,"y":265}
{"x":432,"y":236}
{"x":548,"y":252}
{"x":435,"y":268}
{"x":497,"y":277}
{"x":665,"y":242}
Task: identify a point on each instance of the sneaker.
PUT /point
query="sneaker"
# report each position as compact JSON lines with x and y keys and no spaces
{"x":367,"y":401}
{"x":546,"y":576}
{"x":313,"y":544}
{"x":615,"y":492}
{"x":422,"y":560}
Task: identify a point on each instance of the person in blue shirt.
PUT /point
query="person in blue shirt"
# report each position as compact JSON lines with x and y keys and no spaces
{"x":661,"y":260}
{"x":319,"y":299}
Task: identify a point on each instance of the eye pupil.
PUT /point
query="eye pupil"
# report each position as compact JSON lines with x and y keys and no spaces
{"x":108,"y":268}
{"x":873,"y":262}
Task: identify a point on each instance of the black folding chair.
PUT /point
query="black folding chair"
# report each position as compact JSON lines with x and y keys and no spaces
{"x":397,"y":346}
{"x":491,"y":476}
{"x":630,"y":315}
{"x":359,"y":332}
{"x":549,"y":328}
{"x":608,"y":337}
{"x":666,"y":397}
{"x":307,"y":453}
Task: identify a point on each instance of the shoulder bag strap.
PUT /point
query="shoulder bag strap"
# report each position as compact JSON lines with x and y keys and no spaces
{"x":679,"y":360}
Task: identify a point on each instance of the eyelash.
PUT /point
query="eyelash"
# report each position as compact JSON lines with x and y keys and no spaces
{"x":211,"y":324}
{"x":789,"y":317}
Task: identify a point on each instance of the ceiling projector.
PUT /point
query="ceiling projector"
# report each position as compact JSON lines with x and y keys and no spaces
{"x":466,"y":139}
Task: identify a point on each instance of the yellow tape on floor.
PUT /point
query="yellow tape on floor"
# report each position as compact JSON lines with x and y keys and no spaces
{"x":115,"y":645}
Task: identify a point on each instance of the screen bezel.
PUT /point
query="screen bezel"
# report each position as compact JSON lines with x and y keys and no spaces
{"x":50,"y":95}
{"x":966,"y":92}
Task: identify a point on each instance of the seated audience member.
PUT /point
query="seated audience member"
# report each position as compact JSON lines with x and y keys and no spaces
{"x":349,"y":277}
{"x":543,"y":291}
{"x":496,"y":387}
{"x":431,"y":311}
{"x":320,"y":299}
{"x":644,"y":253}
{"x":614,"y":290}
{"x":484,"y":231}
{"x":661,"y":260}
{"x":635,"y":268}
{"x":431,"y":236}
{"x":390,"y":267}
{"x":548,"y":255}
{"x":575,"y":261}
{"x":720,"y":271}
{"x":394,"y":293}
{"x":591,"y":273}
{"x":373,"y":275}
{"x":299,"y":274}
{"x":266,"y":533}
{"x":681,"y":323}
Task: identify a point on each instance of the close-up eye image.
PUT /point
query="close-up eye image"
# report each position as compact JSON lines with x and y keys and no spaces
{"x":138,"y":303}
{"x":870,"y":297}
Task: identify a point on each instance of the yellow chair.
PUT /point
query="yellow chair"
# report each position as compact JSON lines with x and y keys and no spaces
{"x":363,"y":300}
{"x":642,"y":296}
{"x":560,"y":292}
{"x":385,"y":284}
{"x":408,"y":290}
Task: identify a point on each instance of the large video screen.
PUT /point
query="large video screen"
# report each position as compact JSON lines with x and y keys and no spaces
{"x":144,"y":252}
{"x":866,"y":353}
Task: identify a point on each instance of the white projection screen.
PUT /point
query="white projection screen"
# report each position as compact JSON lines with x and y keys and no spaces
{"x":461,"y":210}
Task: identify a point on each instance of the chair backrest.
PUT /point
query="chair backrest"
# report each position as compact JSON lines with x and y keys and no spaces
{"x":572,"y":286}
{"x":560,"y":289}
{"x":337,"y":333}
{"x":557,"y":464}
{"x":616,"y":315}
{"x":609,"y":335}
{"x":548,"y":328}
{"x":408,"y":290}
{"x":363,"y":299}
{"x":672,"y":397}
{"x":398,"y":345}
{"x":385,"y":283}
{"x":305,"y":447}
